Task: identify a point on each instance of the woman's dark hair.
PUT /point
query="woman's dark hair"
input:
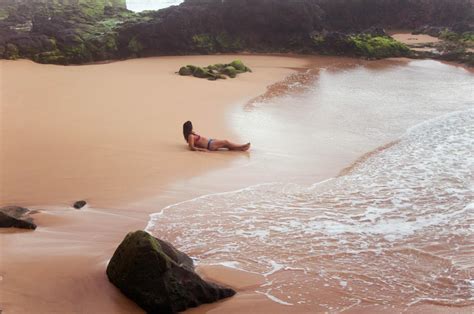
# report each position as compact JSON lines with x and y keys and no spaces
{"x":187,"y":129}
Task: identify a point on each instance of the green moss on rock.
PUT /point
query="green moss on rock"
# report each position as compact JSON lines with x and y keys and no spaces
{"x":185,"y":71}
{"x":215,"y":71}
{"x":158,"y":277}
{"x":230,"y":71}
{"x":11,"y":52}
{"x":3,"y":14}
{"x":378,"y":47}
{"x":240,"y":66}
{"x":203,"y":73}
{"x":53,"y":57}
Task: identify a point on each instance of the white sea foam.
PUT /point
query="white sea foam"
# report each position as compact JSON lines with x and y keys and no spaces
{"x":406,"y":206}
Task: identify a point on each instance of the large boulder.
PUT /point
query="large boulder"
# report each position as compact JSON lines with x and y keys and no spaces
{"x":15,"y":216}
{"x":158,"y":277}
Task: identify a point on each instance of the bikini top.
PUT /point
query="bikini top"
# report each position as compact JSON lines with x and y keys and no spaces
{"x":197,"y":138}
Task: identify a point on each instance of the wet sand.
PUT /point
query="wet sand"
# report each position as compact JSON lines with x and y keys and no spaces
{"x":414,"y":40}
{"x":111,"y":134}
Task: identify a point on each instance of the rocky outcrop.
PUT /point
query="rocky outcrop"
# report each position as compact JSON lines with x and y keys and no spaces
{"x":81,"y":31}
{"x":455,"y":44}
{"x":158,"y":277}
{"x":60,"y":32}
{"x":354,"y":15}
{"x":370,"y":44}
{"x":15,"y":216}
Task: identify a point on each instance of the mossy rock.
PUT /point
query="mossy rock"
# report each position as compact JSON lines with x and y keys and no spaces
{"x":216,"y":67}
{"x":230,"y":71}
{"x":215,"y":71}
{"x":53,"y":57}
{"x":11,"y":52}
{"x":240,"y":66}
{"x":378,"y":47}
{"x":202,"y":73}
{"x":158,"y":277}
{"x":185,"y":71}
{"x":192,"y":67}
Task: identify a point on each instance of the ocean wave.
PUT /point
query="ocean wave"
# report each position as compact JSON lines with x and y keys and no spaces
{"x":397,"y":227}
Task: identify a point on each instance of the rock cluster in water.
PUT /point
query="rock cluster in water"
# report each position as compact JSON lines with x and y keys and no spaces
{"x":15,"y":216}
{"x":158,"y":277}
{"x":75,"y":32}
{"x":215,"y":71}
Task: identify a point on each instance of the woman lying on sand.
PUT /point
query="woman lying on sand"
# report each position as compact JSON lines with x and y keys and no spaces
{"x":200,"y":143}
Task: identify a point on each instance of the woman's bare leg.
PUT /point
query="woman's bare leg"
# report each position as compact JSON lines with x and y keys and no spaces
{"x":218,"y":144}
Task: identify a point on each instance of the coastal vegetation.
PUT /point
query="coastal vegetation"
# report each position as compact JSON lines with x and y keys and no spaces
{"x":215,"y":71}
{"x":371,"y":44}
{"x":378,"y":47}
{"x":83,"y":31}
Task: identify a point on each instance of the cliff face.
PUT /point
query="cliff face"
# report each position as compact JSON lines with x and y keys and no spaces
{"x":209,"y":26}
{"x":29,"y":7}
{"x":407,"y":14}
{"x":78,"y":31}
{"x":59,"y":31}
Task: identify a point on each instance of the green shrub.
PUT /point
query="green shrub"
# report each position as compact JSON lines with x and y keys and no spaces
{"x":3,"y":14}
{"x":449,"y":35}
{"x":318,"y":40}
{"x":225,"y":43}
{"x":204,"y":43}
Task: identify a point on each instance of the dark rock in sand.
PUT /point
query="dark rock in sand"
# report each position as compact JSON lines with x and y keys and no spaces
{"x":185,"y":71}
{"x":158,"y":277}
{"x":15,"y":216}
{"x":79,"y":204}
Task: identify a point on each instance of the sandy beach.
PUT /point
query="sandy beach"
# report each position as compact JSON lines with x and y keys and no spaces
{"x":111,"y":134}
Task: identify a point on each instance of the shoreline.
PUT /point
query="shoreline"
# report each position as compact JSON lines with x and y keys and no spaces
{"x":109,"y":226}
{"x":63,"y":236}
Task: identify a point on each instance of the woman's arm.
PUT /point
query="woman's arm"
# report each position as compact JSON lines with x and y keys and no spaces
{"x":191,"y":144}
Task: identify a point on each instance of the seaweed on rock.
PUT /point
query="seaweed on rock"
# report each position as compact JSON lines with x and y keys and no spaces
{"x":215,"y":71}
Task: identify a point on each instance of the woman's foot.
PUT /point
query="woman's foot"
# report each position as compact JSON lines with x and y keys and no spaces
{"x":245,"y":147}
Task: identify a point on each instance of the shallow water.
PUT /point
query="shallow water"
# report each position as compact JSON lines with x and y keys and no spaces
{"x":395,"y":227}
